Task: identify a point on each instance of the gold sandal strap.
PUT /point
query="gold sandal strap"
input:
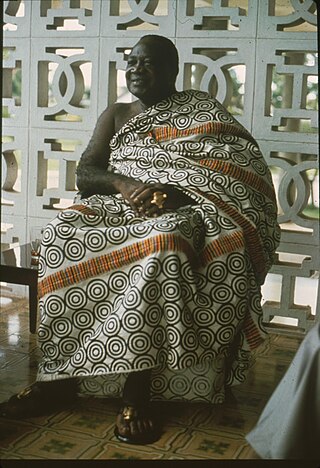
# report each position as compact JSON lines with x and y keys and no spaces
{"x":128,"y":413}
{"x":24,"y":393}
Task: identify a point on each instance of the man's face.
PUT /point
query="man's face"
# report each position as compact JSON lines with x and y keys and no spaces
{"x":147,"y":73}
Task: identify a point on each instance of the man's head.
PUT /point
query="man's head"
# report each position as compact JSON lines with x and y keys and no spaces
{"x":152,"y":69}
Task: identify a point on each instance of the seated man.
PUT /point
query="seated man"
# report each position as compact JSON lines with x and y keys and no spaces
{"x":160,"y":264}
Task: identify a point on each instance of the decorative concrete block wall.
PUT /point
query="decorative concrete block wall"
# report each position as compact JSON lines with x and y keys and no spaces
{"x":64,"y":62}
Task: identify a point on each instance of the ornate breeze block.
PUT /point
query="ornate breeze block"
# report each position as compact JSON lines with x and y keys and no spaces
{"x":64,"y":62}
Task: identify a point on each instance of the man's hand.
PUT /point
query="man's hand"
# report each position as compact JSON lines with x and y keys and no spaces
{"x":141,"y":198}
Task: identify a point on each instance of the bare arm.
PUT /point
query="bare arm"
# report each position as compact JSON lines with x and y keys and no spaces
{"x":92,"y":174}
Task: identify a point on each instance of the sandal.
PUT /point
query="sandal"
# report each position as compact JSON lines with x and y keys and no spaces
{"x":34,"y":401}
{"x":130,"y":414}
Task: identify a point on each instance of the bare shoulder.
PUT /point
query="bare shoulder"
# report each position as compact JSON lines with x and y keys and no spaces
{"x":124,"y":111}
{"x":115,"y":116}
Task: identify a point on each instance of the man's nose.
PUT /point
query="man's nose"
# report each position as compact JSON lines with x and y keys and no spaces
{"x":139,"y":65}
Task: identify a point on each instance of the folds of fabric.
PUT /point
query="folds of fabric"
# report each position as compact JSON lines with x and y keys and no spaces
{"x":289,"y":426}
{"x":177,"y":293}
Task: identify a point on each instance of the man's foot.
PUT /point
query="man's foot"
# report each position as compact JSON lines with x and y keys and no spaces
{"x":135,"y":425}
{"x":39,"y":399}
{"x":135,"y":422}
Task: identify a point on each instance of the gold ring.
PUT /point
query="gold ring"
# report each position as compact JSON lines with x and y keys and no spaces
{"x":159,"y":199}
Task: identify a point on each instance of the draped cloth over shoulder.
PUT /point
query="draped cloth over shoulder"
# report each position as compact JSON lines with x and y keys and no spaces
{"x":180,"y":293}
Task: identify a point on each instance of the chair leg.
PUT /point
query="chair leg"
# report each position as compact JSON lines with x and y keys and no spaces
{"x":33,"y":304}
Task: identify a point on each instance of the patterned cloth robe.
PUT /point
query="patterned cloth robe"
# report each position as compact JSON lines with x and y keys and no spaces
{"x":179,"y":293}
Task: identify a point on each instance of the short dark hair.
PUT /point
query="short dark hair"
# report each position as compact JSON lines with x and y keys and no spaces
{"x":165,"y":45}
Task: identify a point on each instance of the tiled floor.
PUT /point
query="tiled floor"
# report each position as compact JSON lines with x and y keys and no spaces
{"x":191,"y":431}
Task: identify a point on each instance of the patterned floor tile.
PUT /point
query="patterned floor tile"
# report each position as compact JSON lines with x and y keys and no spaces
{"x":213,"y":445}
{"x":51,"y":444}
{"x":181,"y":414}
{"x":234,"y":420}
{"x":191,"y":431}
{"x":11,"y":433}
{"x":15,"y":378}
{"x":19,"y":342}
{"x":251,"y":401}
{"x":170,"y":438}
{"x":9,"y":357}
{"x":110,"y":451}
{"x":87,"y":422}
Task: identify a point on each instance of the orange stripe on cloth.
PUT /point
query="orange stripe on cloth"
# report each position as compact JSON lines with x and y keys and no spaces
{"x":248,"y":178}
{"x":83,"y":209}
{"x":135,"y":252}
{"x":252,"y":333}
{"x":221,"y":246}
{"x":252,"y":238}
{"x":166,"y":133}
{"x":115,"y":260}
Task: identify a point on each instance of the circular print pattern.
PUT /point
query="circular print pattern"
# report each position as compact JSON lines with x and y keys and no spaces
{"x":44,"y":333}
{"x":95,"y":240}
{"x":97,"y":290}
{"x":170,"y":290}
{"x":143,"y":362}
{"x":54,"y":256}
{"x":116,"y":347}
{"x":198,"y":180}
{"x":153,"y":315}
{"x":151,"y":292}
{"x":96,"y":352}
{"x":102,"y":310}
{"x":118,"y":282}
{"x":49,"y":235}
{"x":54,"y":306}
{"x":74,"y":250}
{"x":226,"y":314}
{"x":171,"y":266}
{"x":201,"y":386}
{"x":132,"y":299}
{"x":182,"y":122}
{"x":236,"y":263}
{"x":206,"y":338}
{"x":172,"y":313}
{"x":221,"y":293}
{"x":203,"y":317}
{"x":132,"y":321}
{"x":225,"y":334}
{"x":65,"y":230}
{"x":152,"y":270}
{"x":51,"y":350}
{"x":61,"y":327}
{"x":75,"y":298}
{"x":68,"y":346}
{"x":139,"y":343}
{"x":240,"y":286}
{"x":118,"y":235}
{"x":179,"y":384}
{"x":69,"y":215}
{"x":79,"y":358}
{"x":112,"y":326}
{"x":189,"y":340}
{"x":158,"y":384}
{"x":158,"y":337}
{"x":83,"y":319}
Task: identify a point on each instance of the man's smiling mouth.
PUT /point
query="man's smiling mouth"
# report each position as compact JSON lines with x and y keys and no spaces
{"x":137,"y":80}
